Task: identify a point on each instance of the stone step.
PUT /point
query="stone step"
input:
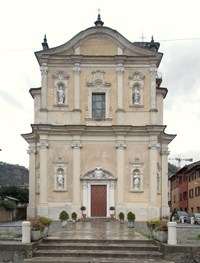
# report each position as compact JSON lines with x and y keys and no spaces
{"x":55,"y":250}
{"x":93,"y":260}
{"x":122,"y":242}
{"x":98,"y":253}
{"x":100,"y":246}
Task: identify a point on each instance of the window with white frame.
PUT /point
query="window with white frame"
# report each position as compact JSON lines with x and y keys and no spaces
{"x":98,"y":97}
{"x":98,"y":105}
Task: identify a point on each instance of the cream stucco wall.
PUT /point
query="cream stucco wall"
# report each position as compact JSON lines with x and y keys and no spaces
{"x":90,"y":151}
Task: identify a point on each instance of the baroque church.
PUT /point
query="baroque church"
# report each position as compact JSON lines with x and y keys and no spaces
{"x":98,"y":138}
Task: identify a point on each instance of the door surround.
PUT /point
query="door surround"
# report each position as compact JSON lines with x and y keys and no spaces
{"x":98,"y":176}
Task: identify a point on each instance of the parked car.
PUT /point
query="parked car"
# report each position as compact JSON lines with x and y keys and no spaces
{"x":178,"y":215}
{"x":196,"y":218}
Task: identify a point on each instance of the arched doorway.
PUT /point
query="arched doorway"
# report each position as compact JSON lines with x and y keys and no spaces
{"x":98,"y":192}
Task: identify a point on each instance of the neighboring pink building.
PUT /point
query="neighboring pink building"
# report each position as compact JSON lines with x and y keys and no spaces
{"x":183,"y":189}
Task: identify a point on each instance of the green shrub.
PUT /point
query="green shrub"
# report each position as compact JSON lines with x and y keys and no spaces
{"x":161,"y":226}
{"x":198,"y":237}
{"x":74,"y":215}
{"x":46,"y":221}
{"x":36,"y":223}
{"x":7,"y":204}
{"x":83,"y":208}
{"x":121,"y":216}
{"x":131,"y":216}
{"x":63,"y":215}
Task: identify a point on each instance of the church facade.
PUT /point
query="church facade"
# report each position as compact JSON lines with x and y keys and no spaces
{"x":98,"y":138}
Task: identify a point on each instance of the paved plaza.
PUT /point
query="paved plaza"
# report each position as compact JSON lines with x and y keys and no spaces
{"x":113,"y":229}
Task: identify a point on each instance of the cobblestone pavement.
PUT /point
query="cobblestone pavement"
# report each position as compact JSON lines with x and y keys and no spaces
{"x":186,"y":233}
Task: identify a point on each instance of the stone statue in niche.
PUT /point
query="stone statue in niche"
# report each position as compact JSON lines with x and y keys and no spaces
{"x":61,"y":94}
{"x":136,"y":96}
{"x":60,"y":180}
{"x":136,"y":180}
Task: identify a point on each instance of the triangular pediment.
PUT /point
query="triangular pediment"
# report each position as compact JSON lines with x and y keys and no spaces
{"x":98,"y":174}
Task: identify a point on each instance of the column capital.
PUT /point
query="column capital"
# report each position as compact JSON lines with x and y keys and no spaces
{"x":154,"y":146}
{"x":44,"y":69}
{"x":165,"y":152}
{"x":77,"y":69}
{"x":153,"y":72}
{"x":120,"y":69}
{"x":76,"y":145}
{"x":112,"y":184}
{"x":31,"y":151}
{"x":120,"y":145}
{"x":43,"y":145}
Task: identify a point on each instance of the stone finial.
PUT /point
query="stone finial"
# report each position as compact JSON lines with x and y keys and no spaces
{"x":99,"y":22}
{"x":44,"y":43}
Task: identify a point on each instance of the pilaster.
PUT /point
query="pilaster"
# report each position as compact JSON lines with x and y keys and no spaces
{"x":164,"y":185}
{"x":77,"y":71}
{"x":44,"y":71}
{"x":76,"y":146}
{"x":32,"y":181}
{"x":153,"y":110}
{"x":120,"y":146}
{"x":43,"y":206}
{"x":153,"y":147}
{"x":120,"y":110}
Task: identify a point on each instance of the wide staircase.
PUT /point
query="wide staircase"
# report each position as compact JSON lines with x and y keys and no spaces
{"x":96,"y":251}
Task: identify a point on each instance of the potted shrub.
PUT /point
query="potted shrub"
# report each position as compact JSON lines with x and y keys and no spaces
{"x":46,"y":222}
{"x":121,"y":217}
{"x":131,"y":219}
{"x":37,"y":227}
{"x":83,"y":210}
{"x":63,"y":216}
{"x":160,"y":232}
{"x":112,"y":211}
{"x":151,"y":224}
{"x":74,"y":216}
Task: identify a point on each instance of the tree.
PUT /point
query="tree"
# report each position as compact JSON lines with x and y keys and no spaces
{"x":20,"y":193}
{"x":172,"y":169}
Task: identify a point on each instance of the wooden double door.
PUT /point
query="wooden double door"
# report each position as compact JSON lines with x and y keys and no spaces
{"x":98,"y":200}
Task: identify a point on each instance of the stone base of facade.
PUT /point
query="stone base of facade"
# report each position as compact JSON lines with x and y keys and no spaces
{"x":142,"y":212}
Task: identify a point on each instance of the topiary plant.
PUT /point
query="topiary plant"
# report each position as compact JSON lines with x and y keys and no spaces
{"x":131,"y":216}
{"x":74,"y":216}
{"x":121,"y":216}
{"x":63,"y":216}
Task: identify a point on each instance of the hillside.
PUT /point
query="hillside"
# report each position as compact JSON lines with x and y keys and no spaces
{"x":13,"y":174}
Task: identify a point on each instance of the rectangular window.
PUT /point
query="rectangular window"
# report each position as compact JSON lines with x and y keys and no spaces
{"x":191,"y":193}
{"x":185,"y":196}
{"x":98,"y":105}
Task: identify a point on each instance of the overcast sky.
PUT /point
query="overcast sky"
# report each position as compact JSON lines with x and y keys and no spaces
{"x":174,"y":23}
